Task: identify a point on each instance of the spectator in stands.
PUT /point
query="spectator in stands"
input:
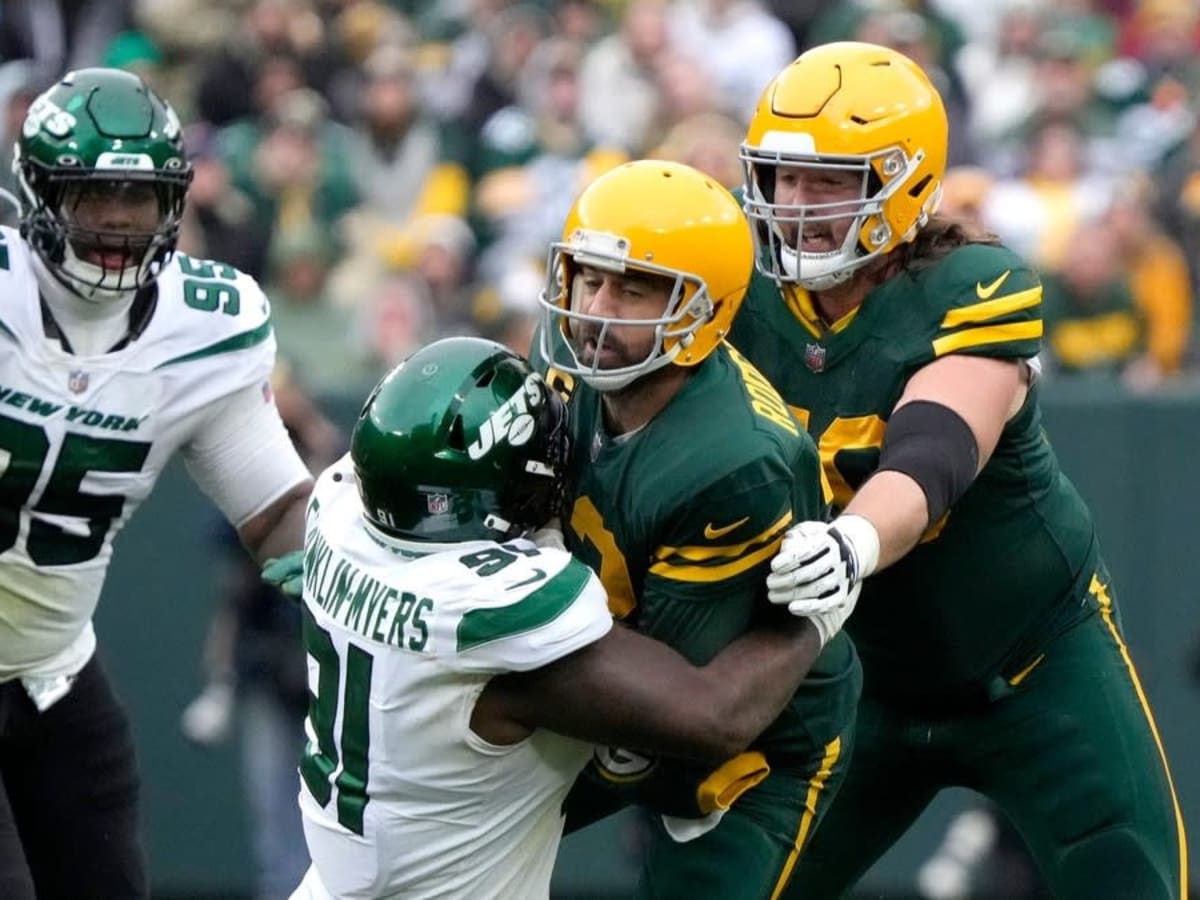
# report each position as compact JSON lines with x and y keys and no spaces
{"x":512,"y":37}
{"x":1092,"y":324}
{"x":617,"y":82}
{"x":708,"y":142}
{"x":219,"y":220}
{"x":533,"y":157}
{"x":1158,"y":277}
{"x":1177,"y":205}
{"x":312,"y":332}
{"x":397,"y":319}
{"x":999,"y":72}
{"x":59,"y":34}
{"x":1037,"y":212}
{"x":741,"y":43}
{"x":293,"y":165}
{"x":271,"y":34}
{"x":20,"y":83}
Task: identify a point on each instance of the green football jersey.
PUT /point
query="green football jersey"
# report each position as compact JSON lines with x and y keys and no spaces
{"x":1005,"y":569}
{"x":682,"y":517}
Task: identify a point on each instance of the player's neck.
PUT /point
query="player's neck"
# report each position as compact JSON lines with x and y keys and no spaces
{"x":91,"y":328}
{"x":632,"y":407}
{"x":836,"y":302}
{"x":840,"y":300}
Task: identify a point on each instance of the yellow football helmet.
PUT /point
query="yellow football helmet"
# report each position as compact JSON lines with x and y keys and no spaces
{"x":658,"y":218}
{"x":848,"y":107}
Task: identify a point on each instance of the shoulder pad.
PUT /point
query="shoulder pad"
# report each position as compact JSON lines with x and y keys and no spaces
{"x":209,"y":310}
{"x":985,"y":301}
{"x":556,"y":606}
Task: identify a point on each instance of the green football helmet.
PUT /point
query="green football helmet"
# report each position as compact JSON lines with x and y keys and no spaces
{"x":97,"y":141}
{"x":462,"y":441}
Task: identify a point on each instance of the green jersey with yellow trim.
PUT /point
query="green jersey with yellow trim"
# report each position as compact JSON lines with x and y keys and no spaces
{"x":1005,"y":569}
{"x":682,"y":517}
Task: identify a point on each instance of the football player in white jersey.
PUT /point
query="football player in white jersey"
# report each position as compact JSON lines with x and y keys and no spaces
{"x":452,"y":647}
{"x":115,"y":352}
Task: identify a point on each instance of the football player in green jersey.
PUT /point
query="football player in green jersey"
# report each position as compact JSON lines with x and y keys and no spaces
{"x":681,"y":515}
{"x":992,"y":649}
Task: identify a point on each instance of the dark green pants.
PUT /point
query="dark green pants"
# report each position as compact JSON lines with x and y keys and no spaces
{"x":1071,"y":754}
{"x":752,"y":853}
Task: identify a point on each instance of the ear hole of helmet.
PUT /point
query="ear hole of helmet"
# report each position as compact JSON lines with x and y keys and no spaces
{"x":539,"y":493}
{"x":874,"y":182}
{"x":456,"y":437}
{"x":764,"y":177}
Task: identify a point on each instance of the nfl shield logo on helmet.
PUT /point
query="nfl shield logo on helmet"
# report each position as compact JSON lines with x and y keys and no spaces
{"x":77,"y":381}
{"x":814,"y":357}
{"x":437,"y":503}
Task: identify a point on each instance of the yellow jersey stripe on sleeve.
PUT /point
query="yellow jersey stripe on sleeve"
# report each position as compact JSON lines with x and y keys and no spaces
{"x":988,"y":334}
{"x":993,"y":309}
{"x":716,"y":573}
{"x":726,"y":551}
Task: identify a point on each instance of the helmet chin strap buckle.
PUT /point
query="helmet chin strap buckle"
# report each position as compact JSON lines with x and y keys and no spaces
{"x":494,"y":522}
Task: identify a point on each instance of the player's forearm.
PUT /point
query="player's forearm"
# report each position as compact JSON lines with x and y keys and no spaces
{"x":278,"y":529}
{"x":753,"y":678}
{"x":896,"y":506}
{"x":631,"y":691}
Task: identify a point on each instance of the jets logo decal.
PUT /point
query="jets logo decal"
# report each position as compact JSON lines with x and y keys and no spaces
{"x":512,"y":421}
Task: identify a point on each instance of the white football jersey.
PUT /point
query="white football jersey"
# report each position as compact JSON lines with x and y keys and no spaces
{"x":84,"y":438}
{"x":400,"y":798}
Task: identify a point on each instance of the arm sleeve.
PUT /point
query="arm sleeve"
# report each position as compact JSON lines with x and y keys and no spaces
{"x":520,"y":626}
{"x":989,"y":303}
{"x":242,"y":457}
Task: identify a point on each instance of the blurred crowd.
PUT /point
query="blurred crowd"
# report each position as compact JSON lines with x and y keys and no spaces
{"x":393,"y":170}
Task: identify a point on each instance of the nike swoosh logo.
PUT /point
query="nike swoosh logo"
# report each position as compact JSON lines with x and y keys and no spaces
{"x":538,"y":575}
{"x":985,"y":293}
{"x":713,"y":533}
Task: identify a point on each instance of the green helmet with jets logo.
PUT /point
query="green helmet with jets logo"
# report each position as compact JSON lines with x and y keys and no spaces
{"x":462,"y":441}
{"x":103,"y":177}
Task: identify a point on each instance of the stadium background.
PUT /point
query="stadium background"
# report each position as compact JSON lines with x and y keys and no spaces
{"x":391,"y":171}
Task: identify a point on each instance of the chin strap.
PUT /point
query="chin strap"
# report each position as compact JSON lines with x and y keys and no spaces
{"x":494,"y":522}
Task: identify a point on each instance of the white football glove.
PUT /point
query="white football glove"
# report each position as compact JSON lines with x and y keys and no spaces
{"x":829,"y":623}
{"x":820,"y":567}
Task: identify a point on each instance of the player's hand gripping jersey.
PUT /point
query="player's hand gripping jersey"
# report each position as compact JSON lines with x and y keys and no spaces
{"x":843,"y":382}
{"x":84,"y":438}
{"x":400,"y":797}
